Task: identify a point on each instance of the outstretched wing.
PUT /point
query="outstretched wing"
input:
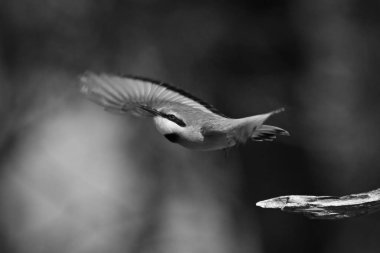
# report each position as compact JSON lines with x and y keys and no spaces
{"x":136,"y":95}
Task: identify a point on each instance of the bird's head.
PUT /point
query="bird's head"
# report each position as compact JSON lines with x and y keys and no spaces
{"x":176,"y":123}
{"x":174,"y":116}
{"x":169,"y":121}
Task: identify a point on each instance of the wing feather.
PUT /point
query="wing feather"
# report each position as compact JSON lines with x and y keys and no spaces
{"x":129,"y":93}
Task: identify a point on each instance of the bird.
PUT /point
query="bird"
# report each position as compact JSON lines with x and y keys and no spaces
{"x":179,"y":116}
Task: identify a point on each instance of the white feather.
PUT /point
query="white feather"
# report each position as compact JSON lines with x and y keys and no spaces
{"x":165,"y":126}
{"x":128,"y":94}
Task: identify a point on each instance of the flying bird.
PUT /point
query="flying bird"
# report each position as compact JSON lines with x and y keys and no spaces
{"x":179,"y":116}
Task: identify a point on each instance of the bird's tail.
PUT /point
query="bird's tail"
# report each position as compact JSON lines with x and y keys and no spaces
{"x":255,"y":130}
{"x":267,"y":133}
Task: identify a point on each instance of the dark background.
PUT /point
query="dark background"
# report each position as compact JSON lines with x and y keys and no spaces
{"x":76,"y":179}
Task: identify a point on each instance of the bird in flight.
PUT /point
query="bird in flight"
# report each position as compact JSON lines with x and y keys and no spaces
{"x":178,"y":115}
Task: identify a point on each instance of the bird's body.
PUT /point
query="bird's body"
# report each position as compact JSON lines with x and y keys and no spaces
{"x":179,"y":116}
{"x":204,"y":131}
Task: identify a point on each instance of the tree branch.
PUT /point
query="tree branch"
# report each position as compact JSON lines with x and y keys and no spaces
{"x":327,"y":207}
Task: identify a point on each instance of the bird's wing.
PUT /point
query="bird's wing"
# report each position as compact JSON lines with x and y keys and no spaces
{"x":136,"y":95}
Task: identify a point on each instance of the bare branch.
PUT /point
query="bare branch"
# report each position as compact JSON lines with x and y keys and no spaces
{"x":327,"y":207}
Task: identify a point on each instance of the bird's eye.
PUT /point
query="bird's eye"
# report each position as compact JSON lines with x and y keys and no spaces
{"x":175,"y":120}
{"x":171,"y":117}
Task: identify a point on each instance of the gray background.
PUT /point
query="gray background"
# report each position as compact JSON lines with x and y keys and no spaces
{"x":76,"y":179}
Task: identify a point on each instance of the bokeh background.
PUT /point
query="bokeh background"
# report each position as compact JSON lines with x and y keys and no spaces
{"x":74,"y":178}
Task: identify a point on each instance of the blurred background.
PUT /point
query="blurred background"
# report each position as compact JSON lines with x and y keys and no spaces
{"x":74,"y":178}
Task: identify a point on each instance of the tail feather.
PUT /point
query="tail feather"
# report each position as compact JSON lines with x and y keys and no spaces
{"x":258,"y":120}
{"x":253,"y":128}
{"x":268,"y":133}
